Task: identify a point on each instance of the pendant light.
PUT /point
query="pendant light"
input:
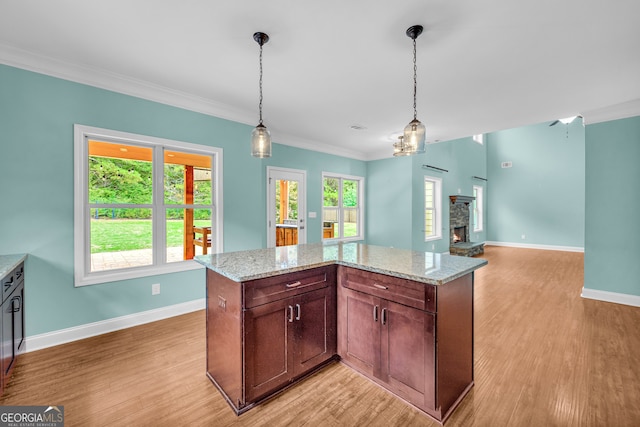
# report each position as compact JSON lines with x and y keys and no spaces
{"x":414,"y":132}
{"x":399,"y":148}
{"x":260,"y":137}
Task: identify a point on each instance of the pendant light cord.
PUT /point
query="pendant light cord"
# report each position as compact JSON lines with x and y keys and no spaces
{"x":415,"y":81}
{"x":260,"y":104}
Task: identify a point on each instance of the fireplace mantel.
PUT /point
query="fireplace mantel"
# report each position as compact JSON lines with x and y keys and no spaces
{"x":461,"y":199}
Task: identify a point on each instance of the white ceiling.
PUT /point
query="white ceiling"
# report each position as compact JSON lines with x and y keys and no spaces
{"x":483,"y":65}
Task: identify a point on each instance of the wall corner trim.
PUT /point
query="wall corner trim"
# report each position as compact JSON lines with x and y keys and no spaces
{"x":62,"y":336}
{"x":626,"y":299}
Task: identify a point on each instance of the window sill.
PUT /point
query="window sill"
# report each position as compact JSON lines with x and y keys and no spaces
{"x":137,"y":272}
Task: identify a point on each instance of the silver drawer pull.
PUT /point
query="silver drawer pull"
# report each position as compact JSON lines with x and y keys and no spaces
{"x":380,"y":286}
{"x":293,"y":285}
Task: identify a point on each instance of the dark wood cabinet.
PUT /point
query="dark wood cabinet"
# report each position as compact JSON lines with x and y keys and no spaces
{"x":12,"y":334}
{"x":414,"y":339}
{"x":264,"y":334}
{"x":389,"y":330}
{"x":285,"y":339}
{"x":389,"y":342}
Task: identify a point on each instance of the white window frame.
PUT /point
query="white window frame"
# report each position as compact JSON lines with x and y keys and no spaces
{"x":341,"y":177}
{"x":478,"y":207}
{"x":437,"y":198}
{"x":82,"y":256}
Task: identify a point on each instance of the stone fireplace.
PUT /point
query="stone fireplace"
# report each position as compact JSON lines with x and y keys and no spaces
{"x":459,"y":225}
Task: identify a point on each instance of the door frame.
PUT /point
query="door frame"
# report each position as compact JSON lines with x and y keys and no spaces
{"x":274,"y":173}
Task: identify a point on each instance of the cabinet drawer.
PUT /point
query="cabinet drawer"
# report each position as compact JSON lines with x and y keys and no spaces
{"x":262,"y":291}
{"x":12,"y":280}
{"x":407,"y":292}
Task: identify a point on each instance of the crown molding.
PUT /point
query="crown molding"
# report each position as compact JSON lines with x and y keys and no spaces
{"x":91,"y":76}
{"x":622,"y":110}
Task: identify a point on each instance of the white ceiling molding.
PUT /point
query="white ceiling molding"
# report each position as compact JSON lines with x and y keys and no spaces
{"x":19,"y":58}
{"x":613,"y":112}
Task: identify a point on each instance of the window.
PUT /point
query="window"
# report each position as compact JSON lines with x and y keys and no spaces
{"x":342,"y":207}
{"x":432,"y":208}
{"x":477,"y":208}
{"x":479,"y":138}
{"x":143,"y":205}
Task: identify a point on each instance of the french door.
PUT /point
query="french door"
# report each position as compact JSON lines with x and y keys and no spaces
{"x":286,"y":206}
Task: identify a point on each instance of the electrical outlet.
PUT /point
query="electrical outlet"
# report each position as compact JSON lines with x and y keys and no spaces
{"x":155,"y":289}
{"x":523,"y":237}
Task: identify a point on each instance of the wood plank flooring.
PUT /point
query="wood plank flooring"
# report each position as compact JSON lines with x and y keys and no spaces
{"x":544,"y":356}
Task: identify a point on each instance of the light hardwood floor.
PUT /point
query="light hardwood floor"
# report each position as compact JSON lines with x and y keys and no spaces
{"x":544,"y":356}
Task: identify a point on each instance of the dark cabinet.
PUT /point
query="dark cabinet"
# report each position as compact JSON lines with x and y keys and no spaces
{"x":285,"y":339}
{"x":390,"y":343}
{"x":12,"y":321}
{"x":412,"y":338}
{"x":389,"y":330}
{"x":262,"y":335}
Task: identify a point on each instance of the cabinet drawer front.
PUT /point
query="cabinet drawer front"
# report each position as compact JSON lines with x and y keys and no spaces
{"x":402,"y":291}
{"x":12,"y":280}
{"x":263,"y":291}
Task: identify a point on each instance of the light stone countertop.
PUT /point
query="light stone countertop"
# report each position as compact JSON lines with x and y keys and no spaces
{"x":425,"y":267}
{"x":9,"y":262}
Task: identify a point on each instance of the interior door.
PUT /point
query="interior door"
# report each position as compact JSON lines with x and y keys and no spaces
{"x":286,"y":207}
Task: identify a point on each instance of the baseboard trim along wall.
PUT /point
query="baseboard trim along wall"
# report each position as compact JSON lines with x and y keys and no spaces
{"x":626,"y":299}
{"x":533,"y":246}
{"x":62,"y":336}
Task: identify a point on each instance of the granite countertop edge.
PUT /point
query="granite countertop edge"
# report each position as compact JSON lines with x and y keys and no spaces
{"x":9,"y":262}
{"x":439,"y":278}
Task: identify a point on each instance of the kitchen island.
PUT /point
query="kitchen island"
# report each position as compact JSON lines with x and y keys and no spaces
{"x":402,"y":318}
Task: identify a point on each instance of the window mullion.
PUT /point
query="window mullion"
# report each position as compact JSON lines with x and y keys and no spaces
{"x":159,"y":212}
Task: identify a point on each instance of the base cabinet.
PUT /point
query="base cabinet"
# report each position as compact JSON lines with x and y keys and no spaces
{"x":12,"y":322}
{"x":264,"y":334}
{"x":286,"y":339}
{"x":398,"y":346}
{"x":412,"y":338}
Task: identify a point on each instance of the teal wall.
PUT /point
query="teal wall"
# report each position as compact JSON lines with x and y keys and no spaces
{"x":37,"y":114}
{"x":542,"y":195}
{"x":389,"y":201}
{"x":612,"y":253}
{"x":395,"y":206}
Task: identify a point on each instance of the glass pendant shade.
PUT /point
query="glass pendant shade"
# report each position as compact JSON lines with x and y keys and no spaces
{"x":399,"y":149}
{"x":261,"y":142}
{"x":414,"y":136}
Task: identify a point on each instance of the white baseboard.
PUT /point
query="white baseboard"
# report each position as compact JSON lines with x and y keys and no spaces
{"x":626,"y":299}
{"x":62,"y":336}
{"x":533,"y":246}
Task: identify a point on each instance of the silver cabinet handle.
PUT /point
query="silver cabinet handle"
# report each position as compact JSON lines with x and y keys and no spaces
{"x":298,"y":311}
{"x":380,"y":286}
{"x":375,"y":313}
{"x":384,"y":316}
{"x":294,"y":284}
{"x":290,"y":314}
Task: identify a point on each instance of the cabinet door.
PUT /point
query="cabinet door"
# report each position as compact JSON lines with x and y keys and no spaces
{"x":315,"y":332}
{"x":408,"y":353}
{"x":268,"y":348}
{"x":359,"y":337}
{"x":7,"y":338}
